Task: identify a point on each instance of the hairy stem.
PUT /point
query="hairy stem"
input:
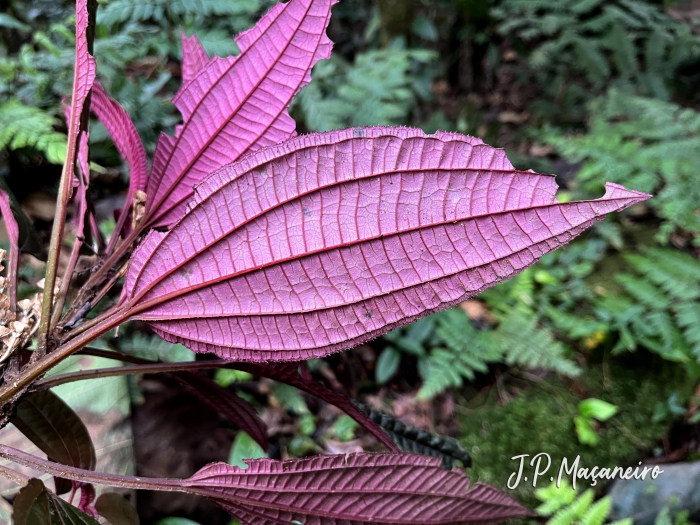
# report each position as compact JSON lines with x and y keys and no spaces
{"x":73,"y":261}
{"x":153,"y":368}
{"x":13,"y":475}
{"x":117,"y":356}
{"x":88,"y":476}
{"x":45,"y":363}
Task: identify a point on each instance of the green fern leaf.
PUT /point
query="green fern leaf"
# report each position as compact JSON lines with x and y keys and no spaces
{"x":28,"y":126}
{"x":524,"y":344}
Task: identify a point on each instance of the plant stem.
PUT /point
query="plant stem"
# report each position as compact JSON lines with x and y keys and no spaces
{"x":153,"y":368}
{"x":36,"y":370}
{"x":13,"y":475}
{"x":88,"y":476}
{"x":64,"y":188}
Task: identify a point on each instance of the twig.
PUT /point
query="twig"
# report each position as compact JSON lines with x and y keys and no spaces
{"x":64,"y":188}
{"x":46,"y":362}
{"x":84,"y":182}
{"x":89,"y":476}
{"x":153,"y":368}
{"x":13,"y":475}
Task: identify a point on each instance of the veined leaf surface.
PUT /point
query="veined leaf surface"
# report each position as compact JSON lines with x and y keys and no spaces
{"x":327,"y":240}
{"x":237,"y":104}
{"x":352,"y":489}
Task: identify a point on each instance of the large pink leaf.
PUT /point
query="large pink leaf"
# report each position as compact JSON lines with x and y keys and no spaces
{"x":194,"y":57}
{"x":237,"y":104}
{"x":317,"y":244}
{"x":352,"y":489}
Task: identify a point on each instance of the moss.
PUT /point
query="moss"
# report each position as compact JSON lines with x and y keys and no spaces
{"x":540,"y":419}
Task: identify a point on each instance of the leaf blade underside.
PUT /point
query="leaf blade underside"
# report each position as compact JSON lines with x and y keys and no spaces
{"x":237,"y":104}
{"x":352,"y":489}
{"x":320,"y":243}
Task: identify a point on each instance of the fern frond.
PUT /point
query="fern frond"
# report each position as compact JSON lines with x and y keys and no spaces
{"x":462,"y":351}
{"x":570,"y":514}
{"x":688,"y":318}
{"x":596,"y":513}
{"x":28,"y":126}
{"x":118,"y":11}
{"x":524,"y":344}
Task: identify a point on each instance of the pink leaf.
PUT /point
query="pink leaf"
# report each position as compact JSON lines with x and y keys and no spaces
{"x":237,"y":104}
{"x":328,"y":240}
{"x":227,"y":403}
{"x":127,"y":140}
{"x":83,"y":79}
{"x":194,"y":57}
{"x":352,"y":489}
{"x":12,"y":229}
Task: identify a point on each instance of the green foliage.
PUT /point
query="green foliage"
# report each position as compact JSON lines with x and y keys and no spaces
{"x":589,"y":411}
{"x":631,"y":44}
{"x":526,"y":345}
{"x":661,"y":309}
{"x":118,"y":11}
{"x":379,"y":88}
{"x":154,"y":348}
{"x":565,"y":508}
{"x":244,"y":447}
{"x":646,"y":144}
{"x":451,"y":349}
{"x":554,"y":497}
{"x":27,"y":126}
{"x":460,"y":351}
{"x":344,"y":428}
{"x":664,"y":517}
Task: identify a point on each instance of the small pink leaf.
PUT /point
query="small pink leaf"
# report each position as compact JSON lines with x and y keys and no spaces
{"x":227,"y":403}
{"x":127,"y":141}
{"x":236,"y":104}
{"x":12,"y":229}
{"x":83,"y":79}
{"x":194,"y":57}
{"x":328,"y":240}
{"x":352,"y":489}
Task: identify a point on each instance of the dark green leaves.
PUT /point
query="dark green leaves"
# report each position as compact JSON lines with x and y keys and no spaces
{"x":53,"y":427}
{"x":411,"y":439}
{"x":115,"y":509}
{"x":34,"y":505}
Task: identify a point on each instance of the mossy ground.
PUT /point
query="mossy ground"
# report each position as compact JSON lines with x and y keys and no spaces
{"x":539,"y":418}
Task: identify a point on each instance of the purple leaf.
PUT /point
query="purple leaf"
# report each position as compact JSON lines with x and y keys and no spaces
{"x":34,"y":505}
{"x":116,"y":509}
{"x":325,"y":241}
{"x":12,"y":229}
{"x":352,"y":489}
{"x":194,"y":57}
{"x":288,"y":373}
{"x":83,"y":79}
{"x":227,"y":403}
{"x":237,"y":104}
{"x":127,"y":141}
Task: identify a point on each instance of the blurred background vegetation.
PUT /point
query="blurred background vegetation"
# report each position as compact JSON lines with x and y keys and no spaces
{"x":589,"y":90}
